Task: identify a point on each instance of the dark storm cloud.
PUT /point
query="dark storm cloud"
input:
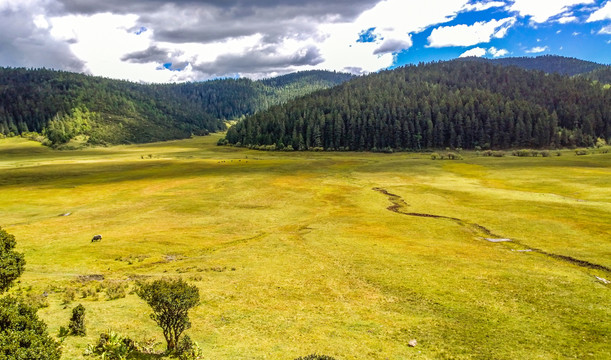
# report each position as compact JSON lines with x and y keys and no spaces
{"x":152,"y":54}
{"x":259,"y":61}
{"x":183,"y":21}
{"x":23,"y":44}
{"x":392,"y":46}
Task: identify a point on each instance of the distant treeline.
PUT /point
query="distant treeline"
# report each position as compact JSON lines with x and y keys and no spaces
{"x":62,"y":105}
{"x":456,"y":104}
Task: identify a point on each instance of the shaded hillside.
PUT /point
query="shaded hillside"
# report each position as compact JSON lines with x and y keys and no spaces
{"x":63,"y":105}
{"x":234,"y":98}
{"x":458,"y":104}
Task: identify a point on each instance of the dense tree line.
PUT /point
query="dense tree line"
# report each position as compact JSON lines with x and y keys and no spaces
{"x":63,"y":105}
{"x":234,"y":98}
{"x":118,"y":111}
{"x":551,"y":64}
{"x":458,"y":104}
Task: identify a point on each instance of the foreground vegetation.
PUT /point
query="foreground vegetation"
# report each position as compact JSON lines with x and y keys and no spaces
{"x":352,"y":255}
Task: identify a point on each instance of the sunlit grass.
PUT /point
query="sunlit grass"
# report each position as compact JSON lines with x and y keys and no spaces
{"x":294,"y":253}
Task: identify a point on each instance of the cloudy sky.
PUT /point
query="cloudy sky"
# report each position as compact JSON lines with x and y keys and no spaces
{"x":185,"y":40}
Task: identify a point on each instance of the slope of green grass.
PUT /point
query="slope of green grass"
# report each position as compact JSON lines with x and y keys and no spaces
{"x":295,"y":253}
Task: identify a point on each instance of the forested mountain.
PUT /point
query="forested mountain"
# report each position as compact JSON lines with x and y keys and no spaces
{"x":551,"y":64}
{"x":458,"y":104}
{"x":233,"y":98}
{"x":63,"y":105}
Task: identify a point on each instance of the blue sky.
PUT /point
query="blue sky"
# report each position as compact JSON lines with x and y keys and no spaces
{"x":577,"y":38}
{"x":187,"y":40}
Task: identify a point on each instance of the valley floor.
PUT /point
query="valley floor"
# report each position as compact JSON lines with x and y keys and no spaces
{"x":346,"y":254}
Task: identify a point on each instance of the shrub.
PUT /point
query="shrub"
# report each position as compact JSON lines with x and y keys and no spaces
{"x":77,"y":321}
{"x":112,"y":346}
{"x":434,"y":156}
{"x":453,"y":156}
{"x":188,"y":349}
{"x":12,"y":263}
{"x":22,"y":334}
{"x":498,"y":153}
{"x":521,"y":153}
{"x":68,"y":296}
{"x":114,"y":290}
{"x":170,"y":301}
{"x":581,"y":152}
{"x":545,"y":153}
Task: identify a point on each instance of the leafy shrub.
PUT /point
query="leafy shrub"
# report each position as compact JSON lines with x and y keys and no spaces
{"x":188,"y":349}
{"x":521,"y":153}
{"x":498,"y":153}
{"x":434,"y":156}
{"x":77,"y":321}
{"x":112,"y":346}
{"x":114,"y":290}
{"x":22,"y":334}
{"x":453,"y":156}
{"x":12,"y":263}
{"x":68,"y":296}
{"x":581,"y":152}
{"x":545,"y":153}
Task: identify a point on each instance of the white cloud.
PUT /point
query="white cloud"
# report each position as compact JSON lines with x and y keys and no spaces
{"x":605,"y":30}
{"x":497,"y":52}
{"x":567,"y":19}
{"x":603,"y":13}
{"x":540,"y":11}
{"x":537,"y":49}
{"x":480,"y":6}
{"x":475,"y":52}
{"x":467,"y":35}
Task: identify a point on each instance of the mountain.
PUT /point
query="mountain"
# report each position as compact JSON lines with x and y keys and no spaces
{"x":64,"y":105}
{"x":457,"y":104}
{"x":553,"y":64}
{"x":233,"y":98}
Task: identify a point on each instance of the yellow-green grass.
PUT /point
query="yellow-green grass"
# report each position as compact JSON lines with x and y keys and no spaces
{"x":295,"y":253}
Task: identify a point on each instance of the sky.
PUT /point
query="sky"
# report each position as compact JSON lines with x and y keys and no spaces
{"x":157,"y":41}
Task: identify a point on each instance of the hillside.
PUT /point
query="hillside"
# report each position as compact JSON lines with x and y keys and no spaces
{"x":457,"y":104}
{"x":63,"y":105}
{"x":551,"y":64}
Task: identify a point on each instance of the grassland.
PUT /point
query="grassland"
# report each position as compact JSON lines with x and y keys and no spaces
{"x":296,"y":253}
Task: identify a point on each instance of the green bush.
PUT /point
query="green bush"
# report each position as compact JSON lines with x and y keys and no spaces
{"x":112,"y":346}
{"x":114,"y":290}
{"x":12,"y":263}
{"x":188,"y":349}
{"x":23,"y":335}
{"x":581,"y":152}
{"x":522,"y":153}
{"x":434,"y":156}
{"x":77,"y":321}
{"x":453,"y":156}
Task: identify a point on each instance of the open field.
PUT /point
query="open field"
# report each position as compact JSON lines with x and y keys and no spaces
{"x":334,"y":253}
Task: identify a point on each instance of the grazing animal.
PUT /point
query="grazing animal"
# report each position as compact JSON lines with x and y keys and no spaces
{"x":96,"y":238}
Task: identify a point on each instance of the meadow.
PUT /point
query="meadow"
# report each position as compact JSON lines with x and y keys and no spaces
{"x":346,"y":254}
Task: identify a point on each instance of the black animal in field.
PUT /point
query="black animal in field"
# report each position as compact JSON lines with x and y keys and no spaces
{"x":96,"y":238}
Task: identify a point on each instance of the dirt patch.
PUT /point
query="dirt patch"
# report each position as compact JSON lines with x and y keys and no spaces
{"x":91,"y":277}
